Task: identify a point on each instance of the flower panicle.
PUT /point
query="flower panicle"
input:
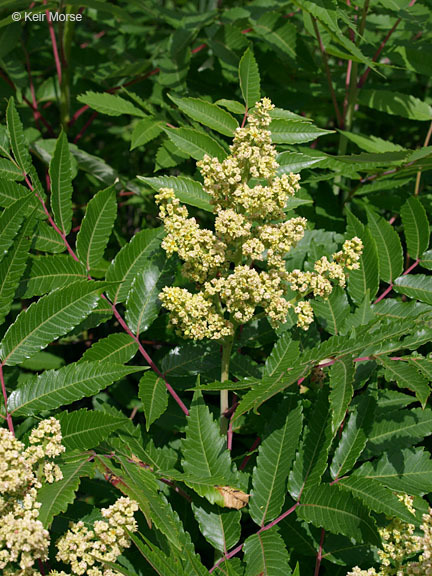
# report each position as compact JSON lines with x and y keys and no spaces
{"x":240,"y":266}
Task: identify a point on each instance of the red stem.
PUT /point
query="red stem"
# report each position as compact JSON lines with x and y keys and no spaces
{"x":84,"y":128}
{"x":146,"y":356}
{"x":375,"y":57}
{"x":319,"y":555}
{"x":5,"y":398}
{"x":54,"y":45}
{"x":339,"y":118}
{"x":238,"y":548}
{"x":390,"y":287}
{"x":114,"y":309}
{"x":248,"y":456}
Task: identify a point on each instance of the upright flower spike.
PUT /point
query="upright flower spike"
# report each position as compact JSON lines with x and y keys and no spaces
{"x":241,"y":265}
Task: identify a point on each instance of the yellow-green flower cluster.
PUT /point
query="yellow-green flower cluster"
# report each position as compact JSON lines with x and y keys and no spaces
{"x":23,"y":539}
{"x":240,"y":266}
{"x":85,"y":549}
{"x":399,"y":544}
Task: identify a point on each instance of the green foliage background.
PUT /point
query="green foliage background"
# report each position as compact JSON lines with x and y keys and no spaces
{"x":125,"y":102}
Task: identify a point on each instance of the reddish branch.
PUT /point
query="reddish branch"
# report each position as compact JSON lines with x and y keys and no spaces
{"x":390,"y":287}
{"x":116,"y":313}
{"x":328,"y":73}
{"x":319,"y":555}
{"x":375,"y":57}
{"x":238,"y":548}
{"x":54,"y":45}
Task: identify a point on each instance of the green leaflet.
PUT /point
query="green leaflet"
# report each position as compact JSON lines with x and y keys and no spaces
{"x":17,"y":138}
{"x":296,"y":162}
{"x":10,"y":192}
{"x":249,"y":79}
{"x":265,"y":553}
{"x":19,"y":146}
{"x":426,"y":260}
{"x":204,"y":454}
{"x":145,"y":131}
{"x":116,"y":348}
{"x":408,"y":427}
{"x":295,"y":132}
{"x":110,"y":104}
{"x":283,"y":38}
{"x":416,"y":226}
{"x":377,"y":497}
{"x":143,"y":304}
{"x":96,"y":227}
{"x":341,"y":389}
{"x":396,"y":103}
{"x":141,"y":485}
{"x":389,"y":248}
{"x":10,"y":222}
{"x":408,"y":470}
{"x":154,"y":396}
{"x":129,"y":260}
{"x":283,"y":357}
{"x":47,"y":239}
{"x":13,"y":265}
{"x":9,"y":170}
{"x":274,"y":460}
{"x":220,"y":527}
{"x":332,"y":311}
{"x":46,"y":273}
{"x":195,"y":143}
{"x":187,"y":190}
{"x":84,"y":429}
{"x":337,"y":511}
{"x":208,"y":114}
{"x":162,"y":564}
{"x":406,"y":376}
{"x":61,"y":184}
{"x":55,"y":388}
{"x":55,"y":498}
{"x":311,"y":459}
{"x":354,"y":436}
{"x":416,"y":286}
{"x":50,"y":317}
